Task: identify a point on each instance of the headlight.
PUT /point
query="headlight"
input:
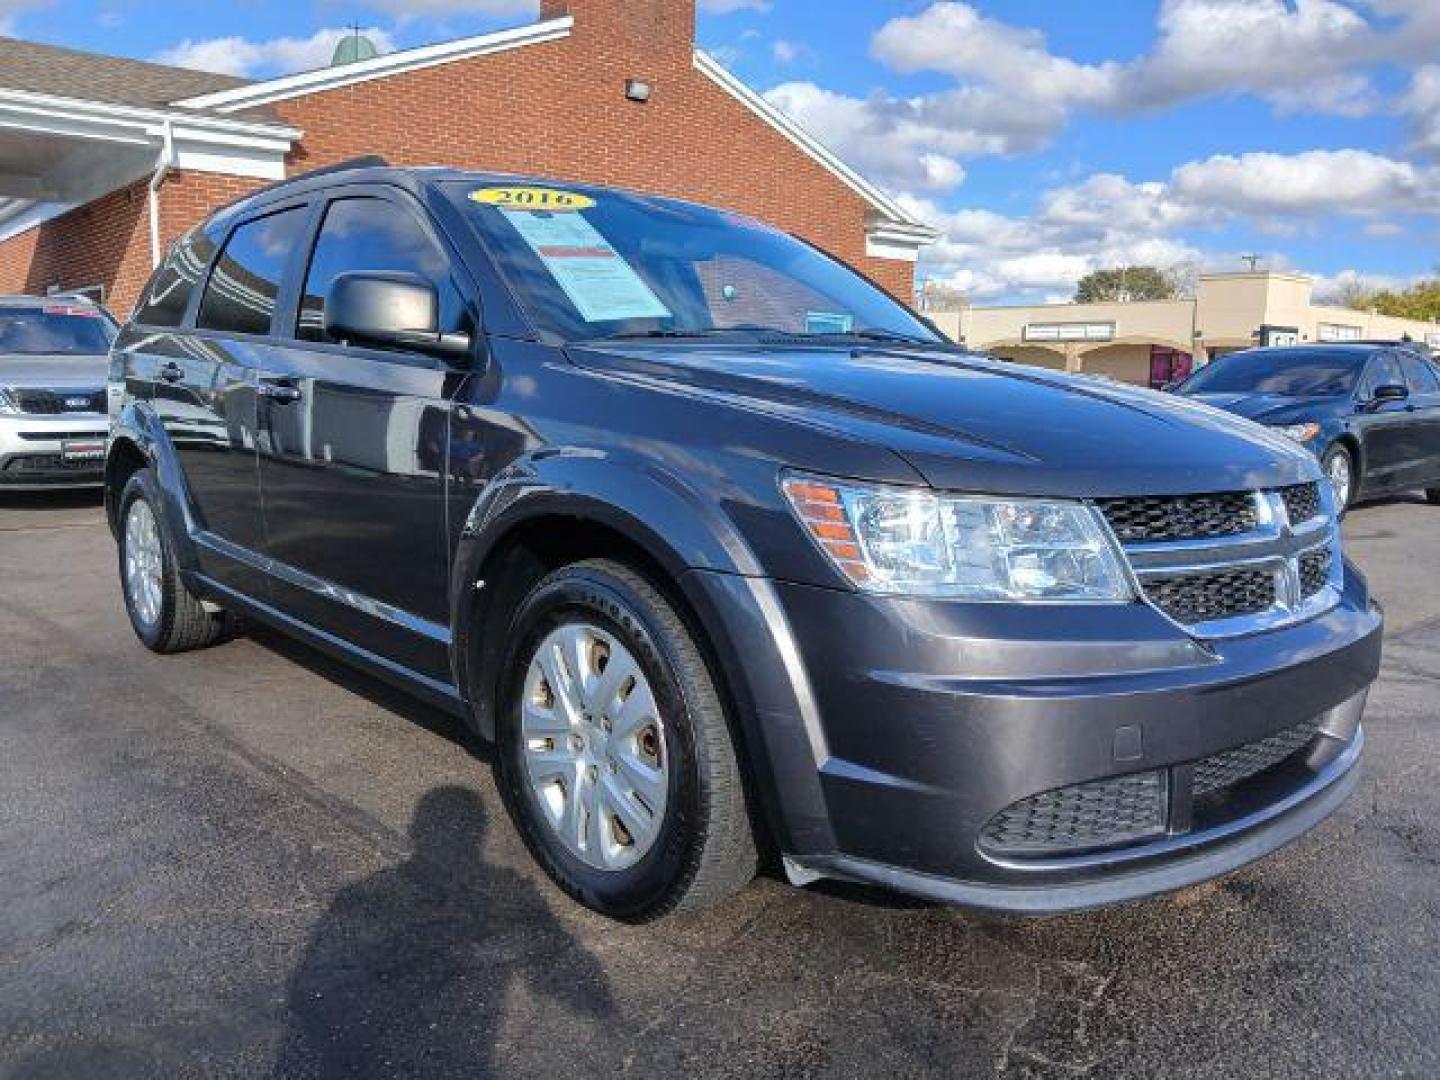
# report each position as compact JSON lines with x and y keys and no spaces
{"x":917,"y":542}
{"x":8,"y":405}
{"x":1298,"y":432}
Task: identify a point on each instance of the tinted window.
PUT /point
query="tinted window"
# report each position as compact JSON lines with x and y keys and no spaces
{"x":240,"y":296}
{"x":1287,"y":372}
{"x":1420,"y":376}
{"x":1384,"y":370}
{"x":168,"y":294}
{"x":374,"y":235}
{"x":54,"y":330}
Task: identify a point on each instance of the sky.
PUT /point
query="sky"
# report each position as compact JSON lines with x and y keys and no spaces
{"x":1044,"y":138}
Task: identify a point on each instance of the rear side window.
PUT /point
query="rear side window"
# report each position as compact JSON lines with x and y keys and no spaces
{"x":1420,"y":375}
{"x":368,"y":234}
{"x":168,"y":295}
{"x":241,"y":294}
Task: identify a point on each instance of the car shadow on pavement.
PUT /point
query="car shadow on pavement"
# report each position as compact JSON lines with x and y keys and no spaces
{"x":409,"y":971}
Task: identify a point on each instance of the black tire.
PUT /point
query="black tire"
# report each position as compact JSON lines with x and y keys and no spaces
{"x":183,"y":622}
{"x":705,"y":848}
{"x":1432,"y":496}
{"x":1338,"y":450}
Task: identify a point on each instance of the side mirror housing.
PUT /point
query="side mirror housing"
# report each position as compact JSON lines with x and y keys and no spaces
{"x":394,"y":311}
{"x":1386,"y":393}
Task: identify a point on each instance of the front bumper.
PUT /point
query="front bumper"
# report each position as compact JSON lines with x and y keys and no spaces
{"x":45,"y":452}
{"x":916,"y":723}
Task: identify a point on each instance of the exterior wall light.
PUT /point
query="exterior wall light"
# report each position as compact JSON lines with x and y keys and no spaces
{"x":637,"y":90}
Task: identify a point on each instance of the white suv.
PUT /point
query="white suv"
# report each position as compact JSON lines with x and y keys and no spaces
{"x":54,"y":354}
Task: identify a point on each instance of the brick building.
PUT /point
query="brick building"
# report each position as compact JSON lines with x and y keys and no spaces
{"x":104,"y":161}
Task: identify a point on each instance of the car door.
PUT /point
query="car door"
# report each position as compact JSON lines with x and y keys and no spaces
{"x":1424,"y":401}
{"x":353,"y":446}
{"x":1386,"y":429}
{"x":204,"y":393}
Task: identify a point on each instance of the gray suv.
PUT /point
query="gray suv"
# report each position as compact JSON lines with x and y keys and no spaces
{"x":54,"y":353}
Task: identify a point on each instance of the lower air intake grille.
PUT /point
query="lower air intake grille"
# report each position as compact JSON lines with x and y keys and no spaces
{"x":1314,"y":571}
{"x":1219,"y":594}
{"x":1230,"y":767}
{"x":1105,"y":813}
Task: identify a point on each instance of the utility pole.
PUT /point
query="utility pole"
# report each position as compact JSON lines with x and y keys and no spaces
{"x":1253,"y":260}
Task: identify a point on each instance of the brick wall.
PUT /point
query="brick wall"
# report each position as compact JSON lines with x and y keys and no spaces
{"x":559,"y":109}
{"x":556,"y":109}
{"x":107,"y":242}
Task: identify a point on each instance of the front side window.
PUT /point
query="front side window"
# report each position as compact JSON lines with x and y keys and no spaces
{"x":592,"y":263}
{"x":241,"y":294}
{"x":374,"y":235}
{"x":54,"y":330}
{"x":1383,"y":371}
{"x":167,"y":296}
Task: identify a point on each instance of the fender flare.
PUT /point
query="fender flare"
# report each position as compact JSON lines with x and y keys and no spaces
{"x":651,"y":508}
{"x":138,"y":427}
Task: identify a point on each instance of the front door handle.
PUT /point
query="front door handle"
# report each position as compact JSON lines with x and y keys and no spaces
{"x":282,"y":393}
{"x":171,"y":372}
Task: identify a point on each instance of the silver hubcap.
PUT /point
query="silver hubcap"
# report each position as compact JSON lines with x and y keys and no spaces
{"x":144,"y":562}
{"x":1340,"y":480}
{"x":594,"y":746}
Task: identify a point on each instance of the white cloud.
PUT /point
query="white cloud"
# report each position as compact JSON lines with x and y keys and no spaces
{"x":1109,"y":220}
{"x":786,"y":52}
{"x":278,"y":56}
{"x":1422,"y":103}
{"x":11,"y":9}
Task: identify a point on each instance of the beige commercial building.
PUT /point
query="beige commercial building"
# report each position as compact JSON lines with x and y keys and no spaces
{"x":1149,"y":343}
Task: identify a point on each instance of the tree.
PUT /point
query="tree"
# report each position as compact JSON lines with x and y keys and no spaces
{"x":1126,"y":283}
{"x":1420,"y":301}
{"x":937,"y":296}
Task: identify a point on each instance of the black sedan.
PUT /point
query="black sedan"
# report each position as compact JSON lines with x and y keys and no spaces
{"x":1369,"y":412}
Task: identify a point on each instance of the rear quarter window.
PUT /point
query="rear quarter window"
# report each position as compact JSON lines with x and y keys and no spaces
{"x":167,"y":296}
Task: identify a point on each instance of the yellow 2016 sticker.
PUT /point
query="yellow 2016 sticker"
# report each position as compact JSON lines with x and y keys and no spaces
{"x":532,"y":198}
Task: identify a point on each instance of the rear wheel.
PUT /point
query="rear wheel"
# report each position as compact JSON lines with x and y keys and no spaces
{"x":165,"y":615}
{"x":614,"y":751}
{"x":1339,"y":468}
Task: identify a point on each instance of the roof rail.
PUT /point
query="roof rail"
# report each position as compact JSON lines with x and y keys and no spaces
{"x":364,"y":161}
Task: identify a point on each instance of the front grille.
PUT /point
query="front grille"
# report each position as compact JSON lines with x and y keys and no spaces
{"x":1125,"y":810}
{"x":1231,"y":767}
{"x":1218,"y":594}
{"x":57,"y":402}
{"x":1105,"y":813}
{"x":1315,"y":571}
{"x":1180,"y":517}
{"x":1302,"y":502}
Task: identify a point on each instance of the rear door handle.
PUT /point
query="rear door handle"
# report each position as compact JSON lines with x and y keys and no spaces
{"x":280,"y":392}
{"x":171,"y":372}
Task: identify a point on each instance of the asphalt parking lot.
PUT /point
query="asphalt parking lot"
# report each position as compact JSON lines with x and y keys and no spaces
{"x":252,"y":862}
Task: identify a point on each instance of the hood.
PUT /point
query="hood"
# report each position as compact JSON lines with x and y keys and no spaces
{"x":972,"y":424}
{"x":63,"y":372}
{"x":1262,"y":408}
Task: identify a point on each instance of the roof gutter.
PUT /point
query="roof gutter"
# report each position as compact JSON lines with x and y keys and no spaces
{"x":162,"y":169}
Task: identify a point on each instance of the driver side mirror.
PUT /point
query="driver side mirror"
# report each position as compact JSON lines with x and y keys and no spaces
{"x":1386,"y":393}
{"x":395,"y":311}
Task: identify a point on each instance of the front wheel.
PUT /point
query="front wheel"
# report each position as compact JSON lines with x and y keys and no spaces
{"x":1339,"y":468}
{"x":166,"y":616}
{"x":615,"y":755}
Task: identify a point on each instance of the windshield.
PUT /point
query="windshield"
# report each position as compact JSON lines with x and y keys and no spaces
{"x":54,"y":330}
{"x":1285,"y":373}
{"x":589,"y":264}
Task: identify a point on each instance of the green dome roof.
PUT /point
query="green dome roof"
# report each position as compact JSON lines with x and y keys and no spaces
{"x":353,"y":47}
